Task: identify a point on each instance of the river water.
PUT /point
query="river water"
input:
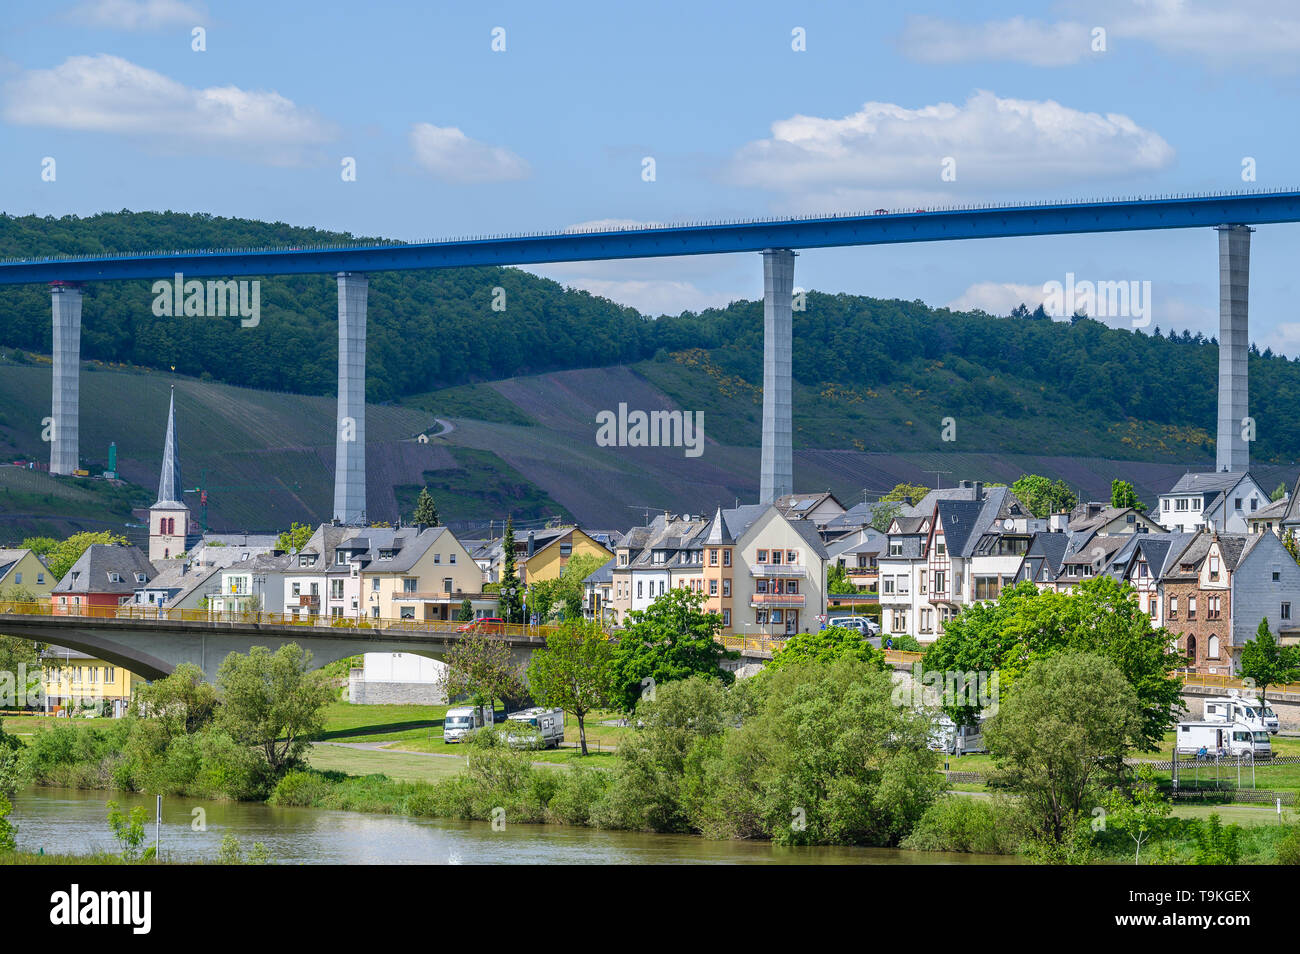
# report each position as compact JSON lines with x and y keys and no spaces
{"x":73,"y":821}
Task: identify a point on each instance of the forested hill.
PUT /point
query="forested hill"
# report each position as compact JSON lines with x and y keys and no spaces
{"x":430,"y":330}
{"x":425,"y":330}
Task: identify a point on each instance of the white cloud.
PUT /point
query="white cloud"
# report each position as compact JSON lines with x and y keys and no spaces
{"x":931,"y":40}
{"x":138,"y":14}
{"x":994,"y":142}
{"x":448,"y":154}
{"x":108,"y":94}
{"x":998,"y":298}
{"x":664,"y":297}
{"x":1258,"y":33}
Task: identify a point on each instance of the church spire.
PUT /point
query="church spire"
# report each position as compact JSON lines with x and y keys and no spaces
{"x":169,"y":483}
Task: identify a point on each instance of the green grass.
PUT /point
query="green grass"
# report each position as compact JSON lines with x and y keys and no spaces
{"x":345,"y":722}
{"x":396,"y":765}
{"x":481,"y":402}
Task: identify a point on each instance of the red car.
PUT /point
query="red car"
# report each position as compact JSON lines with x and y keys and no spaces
{"x":488,"y":624}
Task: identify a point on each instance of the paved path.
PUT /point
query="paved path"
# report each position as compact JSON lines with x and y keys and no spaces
{"x":384,"y":747}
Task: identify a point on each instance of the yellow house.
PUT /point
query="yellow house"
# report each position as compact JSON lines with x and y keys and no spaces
{"x":543,"y":554}
{"x":419,"y":575}
{"x":22,"y":572}
{"x":75,"y":680}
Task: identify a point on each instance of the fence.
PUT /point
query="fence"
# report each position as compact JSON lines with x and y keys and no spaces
{"x":259,"y":617}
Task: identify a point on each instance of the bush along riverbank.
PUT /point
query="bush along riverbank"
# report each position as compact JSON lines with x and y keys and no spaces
{"x":816,"y":752}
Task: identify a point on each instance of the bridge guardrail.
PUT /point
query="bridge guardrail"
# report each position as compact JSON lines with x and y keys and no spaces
{"x":133,"y":611}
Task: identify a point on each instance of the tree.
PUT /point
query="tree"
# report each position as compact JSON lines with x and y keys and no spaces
{"x":1122,"y":495}
{"x":574,"y":672}
{"x":480,"y":665}
{"x":60,"y":557}
{"x":671,"y":639}
{"x":1044,"y":496}
{"x":883,"y":514}
{"x":426,"y":511}
{"x":295,"y":538}
{"x":510,"y":596}
{"x":272,"y":701}
{"x":837,"y":580}
{"x":1068,"y":717}
{"x":1278,"y":492}
{"x":827,"y":645}
{"x":466,"y":611}
{"x":129,"y":831}
{"x":1102,"y":616}
{"x":903,"y":492}
{"x":182,"y":702}
{"x":1141,"y":812}
{"x":1266,"y":663}
{"x":39,"y":545}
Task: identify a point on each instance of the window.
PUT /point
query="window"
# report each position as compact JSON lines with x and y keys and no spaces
{"x":791,"y":556}
{"x":374,"y":584}
{"x":446,"y":584}
{"x":726,"y":587}
{"x":408,"y":584}
{"x":792,"y":586}
{"x":726,"y":617}
{"x":110,"y":674}
{"x":407,"y":612}
{"x":40,"y":577}
{"x":638,"y":589}
{"x":1181,"y":504}
{"x":1236,"y":503}
{"x":713,"y":558}
{"x":940,"y":581}
{"x":1286,"y":610}
{"x":1191,"y":607}
{"x":895,"y":548}
{"x":1213,"y":647}
{"x":713,"y":587}
{"x":726,"y":558}
{"x":1191,"y":647}
{"x":565,"y":550}
{"x":451,"y":558}
{"x":18,"y":577}
{"x":437,"y":558}
{"x":886,"y":585}
{"x":1214,"y":566}
{"x":1212,"y":604}
{"x":986,"y":587}
{"x":336,"y":589}
{"x":776,"y":559}
{"x":1173,"y":607}
{"x":940,"y":548}
{"x":776,"y":616}
{"x":295,"y":589}
{"x":1164,"y":503}
{"x":1277,"y":574}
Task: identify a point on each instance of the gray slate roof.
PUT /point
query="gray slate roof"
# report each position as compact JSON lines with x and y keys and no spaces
{"x":91,"y":572}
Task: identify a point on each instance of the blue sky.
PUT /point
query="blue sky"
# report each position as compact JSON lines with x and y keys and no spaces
{"x":451,"y":137}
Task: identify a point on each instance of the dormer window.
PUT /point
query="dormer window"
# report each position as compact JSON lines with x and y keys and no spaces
{"x":386,"y":554}
{"x":114,"y":577}
{"x":139,"y":577}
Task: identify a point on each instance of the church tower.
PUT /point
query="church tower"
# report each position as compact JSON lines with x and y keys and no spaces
{"x":169,"y":518}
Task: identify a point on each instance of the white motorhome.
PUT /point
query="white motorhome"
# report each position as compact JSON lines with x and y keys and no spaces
{"x":462,"y":721}
{"x":1234,"y":708}
{"x":957,"y":739}
{"x":1222,"y":739}
{"x":548,"y":722}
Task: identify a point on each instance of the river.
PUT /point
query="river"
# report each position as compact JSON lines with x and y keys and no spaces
{"x":73,"y":821}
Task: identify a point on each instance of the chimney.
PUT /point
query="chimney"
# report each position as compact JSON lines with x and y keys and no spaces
{"x":1057,"y":522}
{"x":965,"y":485}
{"x":1094,"y":509}
{"x":532,"y":545}
{"x":979,"y":490}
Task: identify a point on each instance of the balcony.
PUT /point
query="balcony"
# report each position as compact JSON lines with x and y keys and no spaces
{"x":309,"y":599}
{"x":777,"y":599}
{"x":768,"y":571}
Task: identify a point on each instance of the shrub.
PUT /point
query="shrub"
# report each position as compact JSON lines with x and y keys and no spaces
{"x":963,"y":823}
{"x":300,"y":788}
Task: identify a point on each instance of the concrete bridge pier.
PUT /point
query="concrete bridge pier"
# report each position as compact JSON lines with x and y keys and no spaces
{"x":776,"y":472}
{"x":350,"y":428}
{"x":1232,"y":450}
{"x":65,"y":405}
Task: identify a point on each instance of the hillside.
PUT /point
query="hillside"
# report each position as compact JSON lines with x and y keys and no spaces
{"x":875,"y":384}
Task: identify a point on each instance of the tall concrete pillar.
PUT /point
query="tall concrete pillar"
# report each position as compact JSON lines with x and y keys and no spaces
{"x":350,"y":437}
{"x":776,"y":472}
{"x":1232,"y":450}
{"x":65,"y":409}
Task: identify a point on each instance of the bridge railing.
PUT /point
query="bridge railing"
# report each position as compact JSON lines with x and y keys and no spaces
{"x":169,"y":614}
{"x":1209,"y":680}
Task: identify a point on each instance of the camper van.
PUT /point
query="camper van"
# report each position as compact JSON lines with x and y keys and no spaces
{"x":1222,"y":740}
{"x":1235,"y":708}
{"x":957,"y":739}
{"x":548,"y":722}
{"x":462,"y":721}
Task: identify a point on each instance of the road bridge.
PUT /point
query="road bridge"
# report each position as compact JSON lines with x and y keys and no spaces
{"x":1232,"y":214}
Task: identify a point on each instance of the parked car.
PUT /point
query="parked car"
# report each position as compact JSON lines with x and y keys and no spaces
{"x":864,"y":624}
{"x":492,"y":625}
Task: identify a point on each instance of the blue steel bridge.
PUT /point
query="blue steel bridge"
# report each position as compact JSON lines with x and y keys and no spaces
{"x":1232,"y":214}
